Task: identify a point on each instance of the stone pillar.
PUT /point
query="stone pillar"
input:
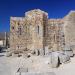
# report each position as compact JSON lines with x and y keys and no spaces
{"x":41,"y":52}
{"x":46,"y":50}
{"x":37,"y":52}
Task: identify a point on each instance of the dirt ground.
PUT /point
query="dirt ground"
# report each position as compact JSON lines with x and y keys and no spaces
{"x":10,"y":65}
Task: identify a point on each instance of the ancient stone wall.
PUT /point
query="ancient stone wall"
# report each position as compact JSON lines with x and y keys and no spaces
{"x":17,"y":33}
{"x":28,"y":32}
{"x":37,"y":20}
{"x":55,"y":34}
{"x":36,"y":32}
{"x":69,"y":29}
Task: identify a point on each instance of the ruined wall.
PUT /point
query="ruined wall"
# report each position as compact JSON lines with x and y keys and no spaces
{"x":36,"y":32}
{"x":69,"y":29}
{"x":55,"y":34}
{"x":17,"y":33}
{"x":37,"y":20}
{"x":28,"y":32}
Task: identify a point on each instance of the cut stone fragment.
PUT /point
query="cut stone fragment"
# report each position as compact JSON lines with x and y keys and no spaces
{"x":8,"y":54}
{"x":15,"y":55}
{"x":69,"y":53}
{"x":54,"y":59}
{"x":63,"y":58}
{"x":37,"y":52}
{"x":58,"y":57}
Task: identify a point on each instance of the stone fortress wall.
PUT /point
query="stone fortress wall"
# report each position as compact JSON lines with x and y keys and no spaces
{"x":35,"y":32}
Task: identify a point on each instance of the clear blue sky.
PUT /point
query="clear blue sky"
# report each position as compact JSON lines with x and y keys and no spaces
{"x":55,"y":8}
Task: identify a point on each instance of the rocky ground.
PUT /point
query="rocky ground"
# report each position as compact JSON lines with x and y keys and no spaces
{"x":39,"y":64}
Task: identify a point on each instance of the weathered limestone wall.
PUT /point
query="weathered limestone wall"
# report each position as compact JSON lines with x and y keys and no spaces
{"x":36,"y":32}
{"x":69,"y":29}
{"x":17,"y":33}
{"x":37,"y":19}
{"x":28,"y":32}
{"x":55,"y":34}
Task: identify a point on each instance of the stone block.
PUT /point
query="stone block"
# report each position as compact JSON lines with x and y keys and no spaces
{"x":58,"y":57}
{"x":69,"y":53}
{"x":41,"y":52}
{"x":63,"y":58}
{"x":25,"y":55}
{"x":54,"y":59}
{"x":37,"y":52}
{"x":46,"y":50}
{"x":68,"y":50}
{"x":14,"y":55}
{"x":8,"y":54}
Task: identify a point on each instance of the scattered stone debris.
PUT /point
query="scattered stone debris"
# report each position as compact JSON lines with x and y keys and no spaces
{"x":68,"y":51}
{"x":58,"y":57}
{"x":64,"y":58}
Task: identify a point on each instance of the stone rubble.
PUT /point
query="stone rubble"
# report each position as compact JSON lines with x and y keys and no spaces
{"x":58,"y":57}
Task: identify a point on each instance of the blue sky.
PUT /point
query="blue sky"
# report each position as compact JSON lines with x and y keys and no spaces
{"x":55,"y":9}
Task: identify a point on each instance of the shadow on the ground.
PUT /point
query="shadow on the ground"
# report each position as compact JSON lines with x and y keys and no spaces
{"x":2,"y":51}
{"x":1,"y":55}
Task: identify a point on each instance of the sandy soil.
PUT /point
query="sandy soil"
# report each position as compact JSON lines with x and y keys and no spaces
{"x":10,"y":65}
